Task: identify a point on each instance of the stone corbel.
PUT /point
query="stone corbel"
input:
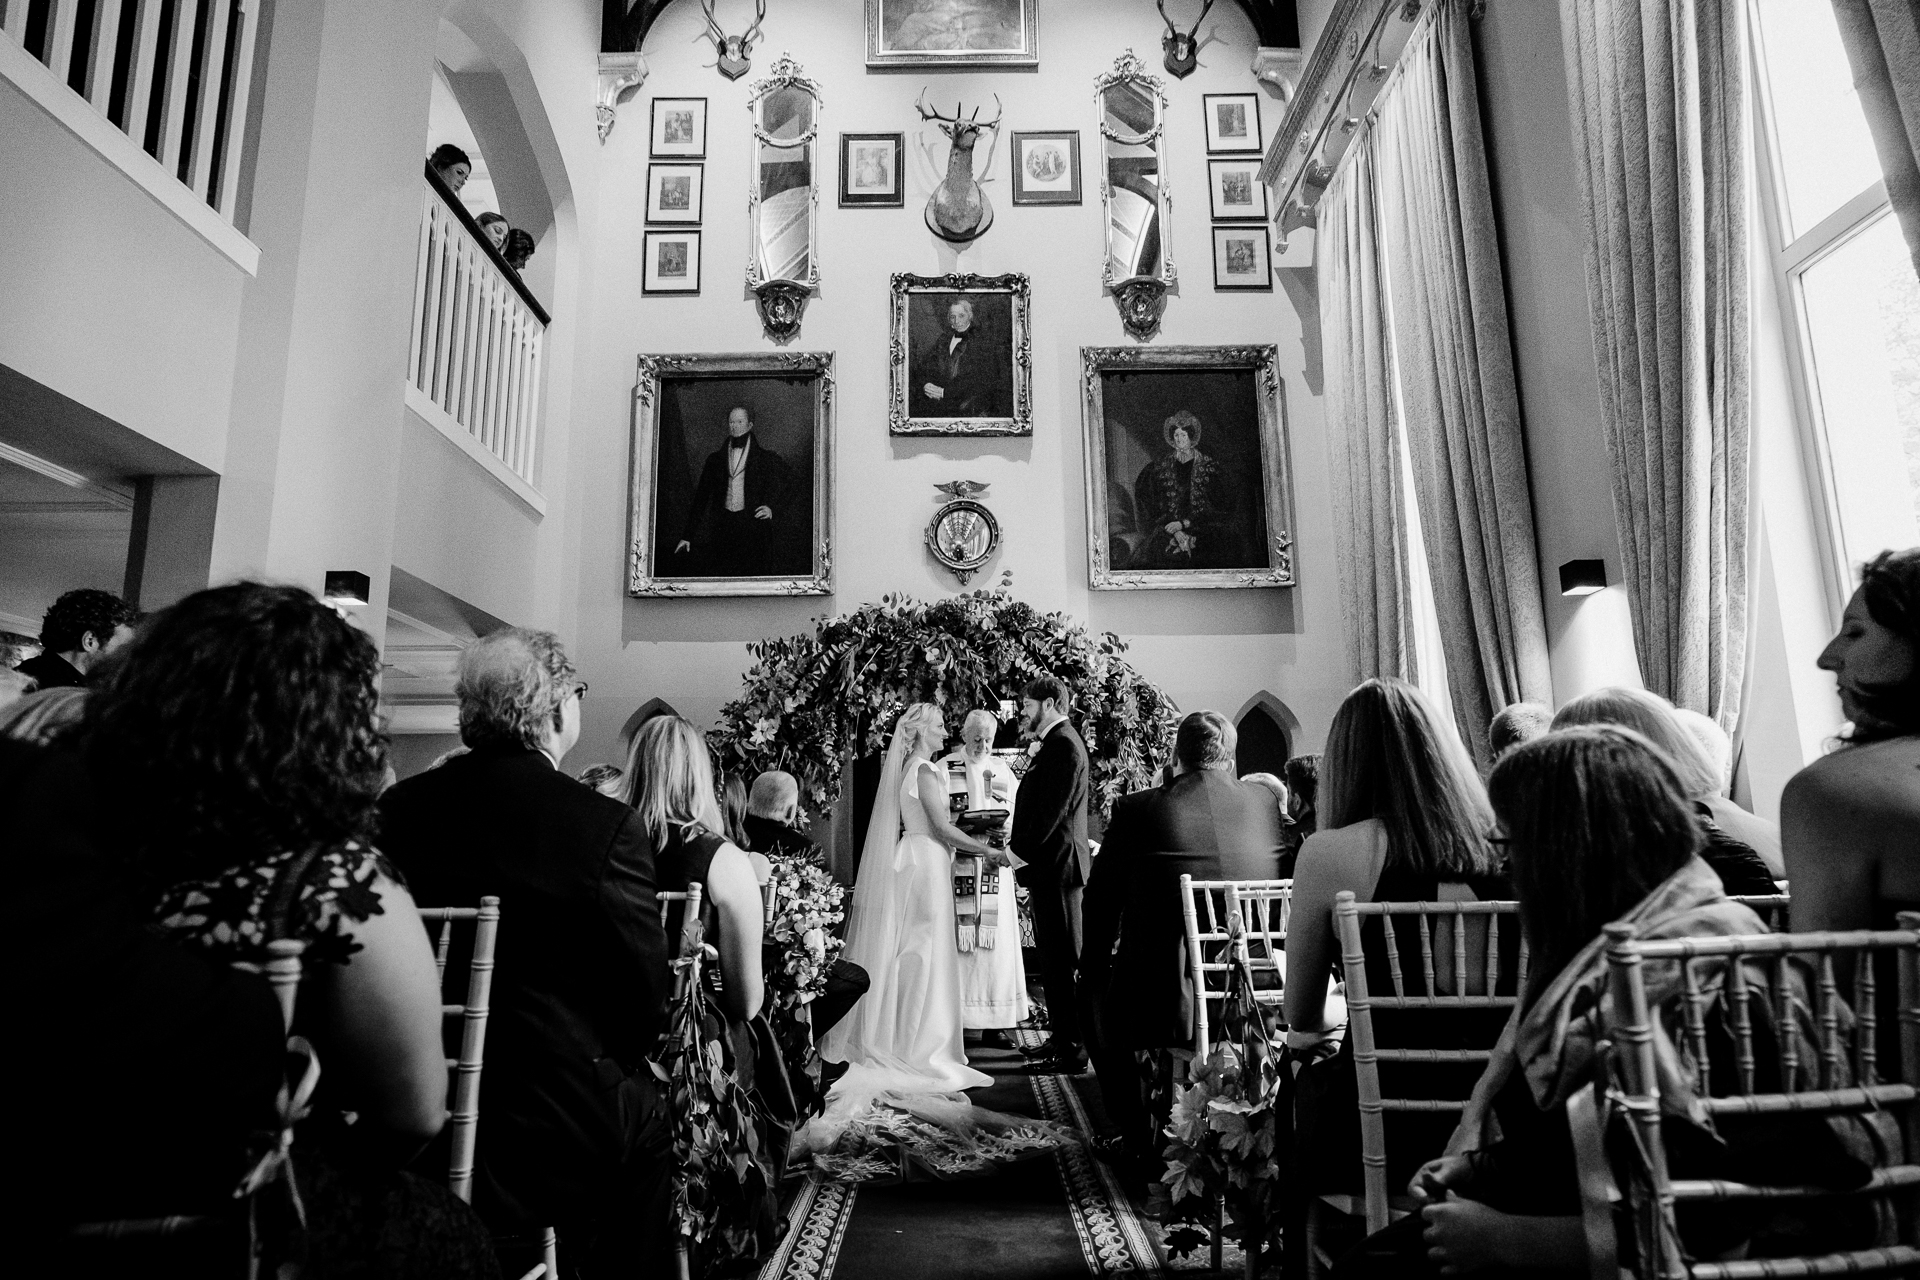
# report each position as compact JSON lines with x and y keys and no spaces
{"x":1278,"y":70}
{"x":620,"y":73}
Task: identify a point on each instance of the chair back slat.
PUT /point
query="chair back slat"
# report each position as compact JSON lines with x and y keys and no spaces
{"x":283,"y":975}
{"x":1264,"y":907}
{"x":1205,"y":906}
{"x":1695,"y":1006}
{"x":463,"y":1116}
{"x":1797,"y":976}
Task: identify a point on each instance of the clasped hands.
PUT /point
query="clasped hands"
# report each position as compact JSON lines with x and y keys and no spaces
{"x":1463,"y":1235}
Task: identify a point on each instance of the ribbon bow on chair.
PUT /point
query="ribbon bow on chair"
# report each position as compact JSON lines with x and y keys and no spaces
{"x":275,"y":1164}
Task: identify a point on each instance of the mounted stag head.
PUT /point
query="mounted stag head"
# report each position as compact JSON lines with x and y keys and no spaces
{"x":1183,"y":54}
{"x":735,"y":51}
{"x":958,"y":210}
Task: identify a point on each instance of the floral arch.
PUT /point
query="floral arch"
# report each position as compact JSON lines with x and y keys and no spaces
{"x":812,"y":704}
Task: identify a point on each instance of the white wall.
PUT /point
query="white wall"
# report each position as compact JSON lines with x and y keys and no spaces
{"x":1207,"y":649}
{"x":105,"y":296}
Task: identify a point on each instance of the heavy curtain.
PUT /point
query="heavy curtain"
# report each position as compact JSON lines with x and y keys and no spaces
{"x":1658,"y":90}
{"x":1883,"y":46}
{"x":1441,"y":258}
{"x":1370,"y":538}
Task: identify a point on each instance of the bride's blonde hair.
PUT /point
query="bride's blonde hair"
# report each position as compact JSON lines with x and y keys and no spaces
{"x":916,"y":725}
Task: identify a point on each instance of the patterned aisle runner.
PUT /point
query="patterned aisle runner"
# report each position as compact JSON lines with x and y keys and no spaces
{"x":1048,"y":1219}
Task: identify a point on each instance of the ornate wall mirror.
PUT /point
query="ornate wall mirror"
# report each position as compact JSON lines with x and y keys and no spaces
{"x":783,"y":261}
{"x":1133,"y":189}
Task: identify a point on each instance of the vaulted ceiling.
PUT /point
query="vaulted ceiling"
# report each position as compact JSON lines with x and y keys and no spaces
{"x":624,"y":23}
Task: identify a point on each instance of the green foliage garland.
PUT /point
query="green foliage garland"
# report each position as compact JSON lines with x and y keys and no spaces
{"x":812,"y":702}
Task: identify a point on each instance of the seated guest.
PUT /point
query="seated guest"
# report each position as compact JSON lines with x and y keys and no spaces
{"x":670,"y":786}
{"x":1738,"y":863}
{"x":14,"y":686}
{"x":1204,"y":823}
{"x":1404,"y":819}
{"x":1302,"y":776}
{"x":1851,"y":819}
{"x":451,"y":165}
{"x":773,"y":831}
{"x":1717,"y":747}
{"x":772,"y":824}
{"x":81,"y":628}
{"x":97,"y":993}
{"x":39,"y":718}
{"x":733,"y":818}
{"x":607,"y":779}
{"x":1513,"y":725}
{"x":574,"y":1134}
{"x":1600,"y":828}
{"x":241,"y":736}
{"x":1273,"y":787}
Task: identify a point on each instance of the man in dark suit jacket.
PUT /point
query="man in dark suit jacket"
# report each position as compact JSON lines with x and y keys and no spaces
{"x":573,"y":1133}
{"x":1204,"y":823}
{"x":959,"y":373}
{"x":1050,"y":836}
{"x":741,"y":517}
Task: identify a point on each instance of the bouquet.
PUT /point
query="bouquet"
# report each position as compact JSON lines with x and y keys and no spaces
{"x":801,"y":946}
{"x":1226,"y":1125}
{"x":807,"y":909}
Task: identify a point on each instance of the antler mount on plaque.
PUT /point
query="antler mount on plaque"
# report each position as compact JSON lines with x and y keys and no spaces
{"x":1182,"y":53}
{"x":735,"y":52}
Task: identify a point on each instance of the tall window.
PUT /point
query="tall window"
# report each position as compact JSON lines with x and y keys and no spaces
{"x":1845,"y":272}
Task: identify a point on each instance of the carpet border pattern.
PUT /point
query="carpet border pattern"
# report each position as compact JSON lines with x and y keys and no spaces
{"x":1112,"y":1237}
{"x":820,"y":1213}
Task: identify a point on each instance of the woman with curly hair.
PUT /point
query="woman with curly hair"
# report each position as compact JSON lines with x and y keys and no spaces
{"x":241,"y":731}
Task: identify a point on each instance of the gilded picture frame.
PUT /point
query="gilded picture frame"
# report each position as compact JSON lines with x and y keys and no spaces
{"x":1230,"y":524}
{"x":683,"y":412}
{"x":943,"y":381}
{"x":908,"y":35}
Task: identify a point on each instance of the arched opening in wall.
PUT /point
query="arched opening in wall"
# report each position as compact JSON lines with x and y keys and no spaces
{"x":474,"y":109}
{"x":1267,"y":727}
{"x":648,"y":710}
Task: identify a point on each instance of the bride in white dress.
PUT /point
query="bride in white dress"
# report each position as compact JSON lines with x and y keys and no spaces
{"x":899,"y":1107}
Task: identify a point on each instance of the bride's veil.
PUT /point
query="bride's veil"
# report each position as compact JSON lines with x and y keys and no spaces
{"x":870,"y":925}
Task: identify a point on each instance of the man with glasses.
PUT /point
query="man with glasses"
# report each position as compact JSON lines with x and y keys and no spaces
{"x":574,"y":1134}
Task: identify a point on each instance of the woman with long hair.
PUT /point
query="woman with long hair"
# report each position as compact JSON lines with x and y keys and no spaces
{"x":1731,"y":832}
{"x":1850,"y":821}
{"x":669,"y":779}
{"x":1600,"y":827}
{"x":904,"y":1042}
{"x":1403,"y":817}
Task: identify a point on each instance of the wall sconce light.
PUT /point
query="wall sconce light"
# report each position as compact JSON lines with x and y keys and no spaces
{"x":346,"y":589}
{"x":1583,"y":577}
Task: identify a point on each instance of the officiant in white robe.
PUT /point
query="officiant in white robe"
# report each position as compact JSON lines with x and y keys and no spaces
{"x":993,"y":979}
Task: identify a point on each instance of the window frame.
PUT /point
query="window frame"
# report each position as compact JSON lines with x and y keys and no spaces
{"x":1789,"y":258}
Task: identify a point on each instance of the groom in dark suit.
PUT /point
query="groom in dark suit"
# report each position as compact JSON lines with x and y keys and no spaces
{"x":1050,"y":837}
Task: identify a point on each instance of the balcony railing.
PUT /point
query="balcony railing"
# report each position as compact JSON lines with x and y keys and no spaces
{"x":477,"y":335}
{"x":173,"y":75}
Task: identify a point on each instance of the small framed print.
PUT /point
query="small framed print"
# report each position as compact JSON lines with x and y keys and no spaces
{"x":1242,"y":258}
{"x":871,"y":168}
{"x":674,"y":193}
{"x":679,"y":129}
{"x":1046,"y":167}
{"x":1233,"y":123}
{"x":673,"y":262}
{"x":1237,"y":193}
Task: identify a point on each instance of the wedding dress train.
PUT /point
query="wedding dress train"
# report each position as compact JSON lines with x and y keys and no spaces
{"x":900,"y":1112}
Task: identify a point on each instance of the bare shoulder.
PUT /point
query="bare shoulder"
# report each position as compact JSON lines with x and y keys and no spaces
{"x":1348,"y":857}
{"x":1880,"y":777}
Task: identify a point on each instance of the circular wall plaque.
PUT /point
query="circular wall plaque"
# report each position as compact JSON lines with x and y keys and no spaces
{"x":963,"y":536}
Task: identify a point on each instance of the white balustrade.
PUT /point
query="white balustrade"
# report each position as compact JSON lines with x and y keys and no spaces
{"x":175,"y":80}
{"x":477,"y":338}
